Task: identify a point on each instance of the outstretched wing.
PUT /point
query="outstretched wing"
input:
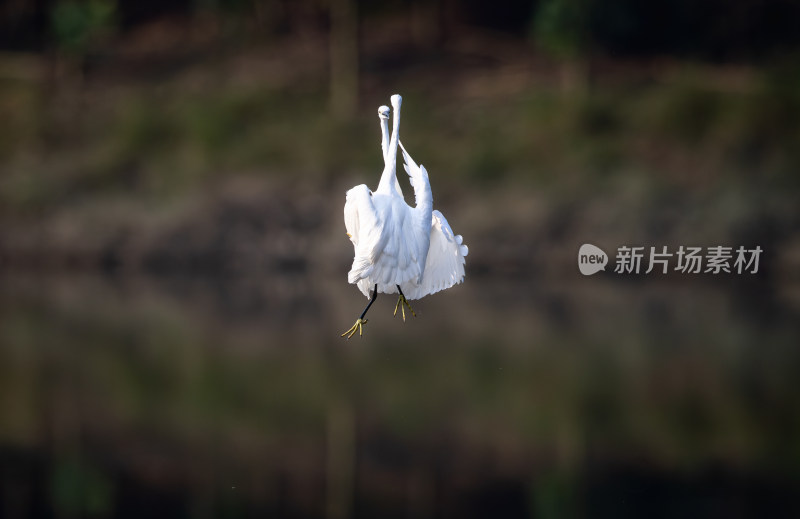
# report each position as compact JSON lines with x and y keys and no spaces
{"x":418,"y":176}
{"x":363,"y":227}
{"x":444,"y":266}
{"x":421,"y":214}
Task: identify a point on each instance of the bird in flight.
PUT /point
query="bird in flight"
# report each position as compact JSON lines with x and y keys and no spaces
{"x":399,"y":249}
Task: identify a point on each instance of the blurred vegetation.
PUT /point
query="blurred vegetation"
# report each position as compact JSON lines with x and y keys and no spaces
{"x":169,"y":112}
{"x":76,"y":26}
{"x":561,"y":27}
{"x":688,"y":125}
{"x":749,"y":30}
{"x":169,"y":139}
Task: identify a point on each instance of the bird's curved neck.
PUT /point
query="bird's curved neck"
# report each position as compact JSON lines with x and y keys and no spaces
{"x":388,"y":181}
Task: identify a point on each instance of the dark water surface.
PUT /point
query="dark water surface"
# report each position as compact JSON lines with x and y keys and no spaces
{"x":236,"y":397}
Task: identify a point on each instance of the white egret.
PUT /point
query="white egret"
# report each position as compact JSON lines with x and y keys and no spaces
{"x":399,"y":249}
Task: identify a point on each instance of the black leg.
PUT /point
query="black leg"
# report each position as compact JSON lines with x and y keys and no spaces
{"x":372,"y":300}
{"x":360,"y":322}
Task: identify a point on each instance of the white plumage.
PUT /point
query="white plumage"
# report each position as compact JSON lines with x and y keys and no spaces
{"x":396,"y":244}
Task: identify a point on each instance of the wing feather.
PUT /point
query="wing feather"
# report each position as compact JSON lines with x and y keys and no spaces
{"x":385,"y":243}
{"x":444,"y":266}
{"x":421,"y":214}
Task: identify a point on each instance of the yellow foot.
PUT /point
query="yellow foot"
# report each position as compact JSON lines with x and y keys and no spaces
{"x":401,"y":304}
{"x":358,"y":327}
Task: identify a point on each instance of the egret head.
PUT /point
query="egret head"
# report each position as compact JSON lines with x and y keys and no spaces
{"x":383,"y":112}
{"x":396,"y":100}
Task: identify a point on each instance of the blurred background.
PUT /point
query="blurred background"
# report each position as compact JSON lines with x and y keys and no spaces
{"x":173,"y":260}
